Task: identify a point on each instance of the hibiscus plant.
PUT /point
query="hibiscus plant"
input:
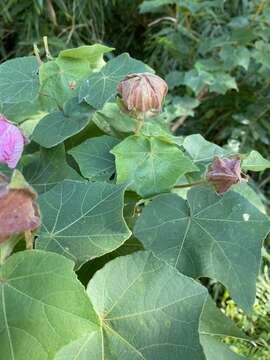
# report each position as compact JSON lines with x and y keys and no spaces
{"x":109,"y":222}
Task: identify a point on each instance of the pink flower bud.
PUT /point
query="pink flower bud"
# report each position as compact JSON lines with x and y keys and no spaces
{"x":12,"y":142}
{"x":224,"y":173}
{"x":18,"y":211}
{"x":142,"y":92}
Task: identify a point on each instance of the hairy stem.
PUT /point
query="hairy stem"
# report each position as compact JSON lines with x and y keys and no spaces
{"x":196,"y":183}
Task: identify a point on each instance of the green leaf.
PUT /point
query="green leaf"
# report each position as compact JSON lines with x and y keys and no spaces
{"x":18,"y":112}
{"x":212,"y":346}
{"x":233,"y":57}
{"x":214,"y":323}
{"x":214,"y":326}
{"x":19,"y":80}
{"x":208,"y":235}
{"x":262,"y":53}
{"x":48,"y":168}
{"x":200,"y":149}
{"x":116,"y":123}
{"x":61,"y":78}
{"x":175,"y":79}
{"x":56,"y":127}
{"x":150,"y":165}
{"x":38,"y":316}
{"x":148,"y":310}
{"x":208,"y":74}
{"x":152,"y":5}
{"x":255,"y":162}
{"x":94,"y":158}
{"x":113,"y":121}
{"x":83,"y":59}
{"x":100,"y":87}
{"x":82,"y":220}
{"x":255,"y":198}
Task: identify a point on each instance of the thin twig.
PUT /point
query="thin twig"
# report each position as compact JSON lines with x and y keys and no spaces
{"x":181,"y":186}
{"x":164,"y":18}
{"x":36,"y":52}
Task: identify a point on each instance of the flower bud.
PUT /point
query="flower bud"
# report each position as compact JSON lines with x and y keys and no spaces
{"x":12,"y":142}
{"x":224,"y":173}
{"x":142,"y":92}
{"x":18,"y":210}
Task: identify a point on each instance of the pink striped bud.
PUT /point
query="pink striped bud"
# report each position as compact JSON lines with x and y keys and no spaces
{"x":142,"y":92}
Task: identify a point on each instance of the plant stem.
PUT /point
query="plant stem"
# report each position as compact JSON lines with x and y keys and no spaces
{"x":196,"y":183}
{"x":139,"y":123}
{"x":28,"y":240}
{"x":36,"y":52}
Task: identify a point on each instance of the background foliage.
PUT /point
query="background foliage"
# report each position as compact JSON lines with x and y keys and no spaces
{"x":215,"y":55}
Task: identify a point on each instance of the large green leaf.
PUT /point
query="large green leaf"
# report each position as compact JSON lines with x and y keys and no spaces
{"x":255,"y":162}
{"x":200,"y":149}
{"x":42,"y":306}
{"x":148,"y":310}
{"x":149,"y":164}
{"x":47,"y":168}
{"x":254,"y":197}
{"x":83,"y":59}
{"x":94,"y":158}
{"x":214,"y":326}
{"x":19,"y":80}
{"x":100,"y":87}
{"x":82,"y":220}
{"x":56,"y":127}
{"x":208,"y":235}
{"x":212,"y":346}
{"x":61,"y":78}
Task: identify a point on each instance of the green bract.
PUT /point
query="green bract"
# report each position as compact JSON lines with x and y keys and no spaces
{"x":116,"y":219}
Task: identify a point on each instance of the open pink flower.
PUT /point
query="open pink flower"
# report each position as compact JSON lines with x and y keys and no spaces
{"x":224,"y":173}
{"x":11,"y":143}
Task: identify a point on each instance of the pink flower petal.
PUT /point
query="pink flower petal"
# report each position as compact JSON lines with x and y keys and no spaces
{"x":11,"y":143}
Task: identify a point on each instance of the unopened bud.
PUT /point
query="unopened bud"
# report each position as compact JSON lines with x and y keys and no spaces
{"x":142,"y":92}
{"x":224,"y":173}
{"x":18,"y":211}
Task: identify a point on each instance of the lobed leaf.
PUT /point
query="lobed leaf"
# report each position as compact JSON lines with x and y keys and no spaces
{"x":19,"y":80}
{"x":100,"y":87}
{"x":82,"y":220}
{"x":56,"y":127}
{"x":208,"y":235}
{"x":37,"y":316}
{"x":148,"y":310}
{"x":150,"y":164}
{"x":94,"y":158}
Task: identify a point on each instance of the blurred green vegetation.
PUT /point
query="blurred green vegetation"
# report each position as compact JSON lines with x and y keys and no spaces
{"x":215,"y":55}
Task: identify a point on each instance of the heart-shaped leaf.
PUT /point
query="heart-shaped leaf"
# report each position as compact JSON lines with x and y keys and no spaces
{"x":200,"y":149}
{"x":48,"y":168}
{"x":37,"y":316}
{"x":100,"y":87}
{"x":19,"y":80}
{"x":255,"y":162}
{"x":61,"y":78}
{"x":58,"y":126}
{"x":149,"y":164}
{"x":148,"y":310}
{"x":208,"y":235}
{"x":82,"y":220}
{"x":94,"y":158}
